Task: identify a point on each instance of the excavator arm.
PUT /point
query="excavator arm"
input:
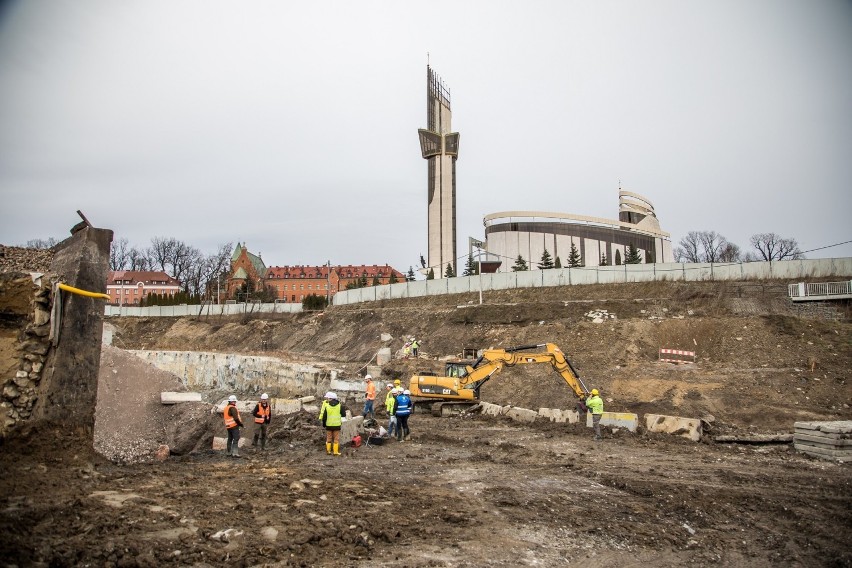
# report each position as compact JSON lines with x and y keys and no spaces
{"x":466,"y":386}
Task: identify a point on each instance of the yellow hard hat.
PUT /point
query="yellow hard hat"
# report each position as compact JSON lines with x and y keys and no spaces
{"x":595,"y":392}
{"x":396,"y":382}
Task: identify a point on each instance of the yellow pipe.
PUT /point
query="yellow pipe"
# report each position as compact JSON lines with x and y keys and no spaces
{"x":73,"y":290}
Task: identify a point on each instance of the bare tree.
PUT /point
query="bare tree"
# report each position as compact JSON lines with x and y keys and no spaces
{"x":42,"y":244}
{"x":729,"y":253}
{"x":712,"y":244}
{"x":119,"y":254}
{"x":771,"y":246}
{"x":201,"y":277}
{"x":688,"y":248}
{"x":705,"y":246}
{"x":138,"y":260}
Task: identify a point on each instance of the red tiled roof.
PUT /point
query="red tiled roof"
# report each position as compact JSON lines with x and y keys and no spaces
{"x":136,"y":276}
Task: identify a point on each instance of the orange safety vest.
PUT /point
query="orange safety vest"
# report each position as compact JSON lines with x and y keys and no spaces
{"x":371,"y":390}
{"x":264,"y":412}
{"x":230,"y":422}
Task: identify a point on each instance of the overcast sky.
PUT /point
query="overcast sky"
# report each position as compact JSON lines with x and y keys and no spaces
{"x":292,"y":126}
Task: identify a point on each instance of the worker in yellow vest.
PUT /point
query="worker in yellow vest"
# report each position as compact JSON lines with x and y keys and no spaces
{"x":262,"y":416}
{"x":233,"y":425}
{"x":331,"y":415}
{"x":595,"y":406}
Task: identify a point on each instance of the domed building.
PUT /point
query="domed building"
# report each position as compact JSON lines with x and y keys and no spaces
{"x":509,"y":234}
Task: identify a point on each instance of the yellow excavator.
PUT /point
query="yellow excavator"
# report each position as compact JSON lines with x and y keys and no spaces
{"x":459,"y":389}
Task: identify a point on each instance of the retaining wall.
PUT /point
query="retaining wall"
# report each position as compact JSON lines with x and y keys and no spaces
{"x":248,"y":374}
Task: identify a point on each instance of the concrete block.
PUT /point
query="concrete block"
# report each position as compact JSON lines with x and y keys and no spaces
{"x":311,"y":408}
{"x":284,"y":405}
{"x":350,"y":428}
{"x":491,"y":409}
{"x":559,"y":415}
{"x":346,"y":386}
{"x":383,"y":357}
{"x":176,"y":397}
{"x":222,"y":443}
{"x":375,"y":371}
{"x":521,"y":414}
{"x":307,"y":399}
{"x":626,"y":420}
{"x":675,"y":425}
{"x":386,"y":337}
{"x":833,"y":427}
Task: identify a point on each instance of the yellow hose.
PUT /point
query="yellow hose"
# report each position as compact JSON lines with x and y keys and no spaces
{"x":73,"y":290}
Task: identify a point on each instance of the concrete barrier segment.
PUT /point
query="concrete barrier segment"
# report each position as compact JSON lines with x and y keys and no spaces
{"x":521,"y":414}
{"x":674,"y":425}
{"x":559,"y":415}
{"x":178,"y":397}
{"x":626,"y":420}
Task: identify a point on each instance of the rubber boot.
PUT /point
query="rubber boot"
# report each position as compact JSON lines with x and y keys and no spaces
{"x":337,"y":449}
{"x":236,"y":452}
{"x":328,"y":448}
{"x":263,"y":444}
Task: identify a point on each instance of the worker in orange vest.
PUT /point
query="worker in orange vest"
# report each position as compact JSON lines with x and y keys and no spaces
{"x":262,"y":415}
{"x":371,"y":397}
{"x":233,"y":424}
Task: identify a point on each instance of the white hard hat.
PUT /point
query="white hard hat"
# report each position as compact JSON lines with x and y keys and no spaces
{"x":331,"y":395}
{"x":368,"y":377}
{"x":390,"y":386}
{"x":264,"y":396}
{"x":232,"y":398}
{"x":406,"y":391}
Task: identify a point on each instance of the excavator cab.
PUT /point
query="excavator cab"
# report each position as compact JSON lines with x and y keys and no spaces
{"x":457,"y":369}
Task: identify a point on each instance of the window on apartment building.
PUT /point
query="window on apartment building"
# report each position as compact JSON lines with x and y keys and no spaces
{"x":301,"y":286}
{"x":310,"y":286}
{"x":294,"y":297}
{"x":302,"y":275}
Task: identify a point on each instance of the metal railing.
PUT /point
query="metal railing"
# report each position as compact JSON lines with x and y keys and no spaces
{"x":803,"y":289}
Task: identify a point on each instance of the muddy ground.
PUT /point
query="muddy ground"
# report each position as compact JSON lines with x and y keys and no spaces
{"x":460,"y":492}
{"x":475,"y":491}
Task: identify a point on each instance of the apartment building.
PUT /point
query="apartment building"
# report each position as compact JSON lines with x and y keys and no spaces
{"x":130,"y":287}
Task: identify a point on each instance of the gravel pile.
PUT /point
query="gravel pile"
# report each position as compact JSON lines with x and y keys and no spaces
{"x":16,"y":259}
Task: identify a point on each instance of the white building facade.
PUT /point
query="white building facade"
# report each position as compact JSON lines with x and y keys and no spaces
{"x":509,"y":234}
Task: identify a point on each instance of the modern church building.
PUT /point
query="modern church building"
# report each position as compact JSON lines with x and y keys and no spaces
{"x":440,"y":146}
{"x":528,"y":234}
{"x":509,"y":234}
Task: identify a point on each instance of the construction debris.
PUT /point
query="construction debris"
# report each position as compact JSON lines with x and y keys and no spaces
{"x":827,"y":440}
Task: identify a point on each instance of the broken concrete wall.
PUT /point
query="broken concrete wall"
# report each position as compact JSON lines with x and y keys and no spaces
{"x":242,"y":374}
{"x":68,"y":390}
{"x":25,"y":303}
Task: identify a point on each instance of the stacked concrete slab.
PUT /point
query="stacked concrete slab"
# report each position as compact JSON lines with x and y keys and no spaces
{"x":828,"y":440}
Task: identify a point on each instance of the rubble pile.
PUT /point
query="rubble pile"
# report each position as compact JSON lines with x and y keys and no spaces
{"x":17,"y":259}
{"x":598,"y":316}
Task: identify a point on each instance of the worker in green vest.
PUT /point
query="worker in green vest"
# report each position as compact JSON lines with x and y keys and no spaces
{"x":595,"y":406}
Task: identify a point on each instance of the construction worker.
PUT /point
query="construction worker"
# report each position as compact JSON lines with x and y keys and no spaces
{"x":370,"y":398}
{"x":595,"y":406}
{"x":390,"y":399}
{"x":331,"y":415}
{"x":389,"y":396}
{"x":262,"y":415}
{"x":233,"y":424}
{"x":415,"y":345}
{"x":402,"y":408}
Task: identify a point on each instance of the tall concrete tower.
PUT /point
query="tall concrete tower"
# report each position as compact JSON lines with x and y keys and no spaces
{"x":440,"y":146}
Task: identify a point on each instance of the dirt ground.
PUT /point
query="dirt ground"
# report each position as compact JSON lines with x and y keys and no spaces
{"x":471,"y":490}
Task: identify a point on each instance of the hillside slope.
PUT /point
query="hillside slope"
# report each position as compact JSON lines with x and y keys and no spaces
{"x":758,"y":364}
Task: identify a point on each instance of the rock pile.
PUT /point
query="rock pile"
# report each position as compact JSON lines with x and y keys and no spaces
{"x":17,"y":259}
{"x":598,"y":316}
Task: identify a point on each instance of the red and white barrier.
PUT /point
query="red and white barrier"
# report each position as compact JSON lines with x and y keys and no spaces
{"x":677,"y":356}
